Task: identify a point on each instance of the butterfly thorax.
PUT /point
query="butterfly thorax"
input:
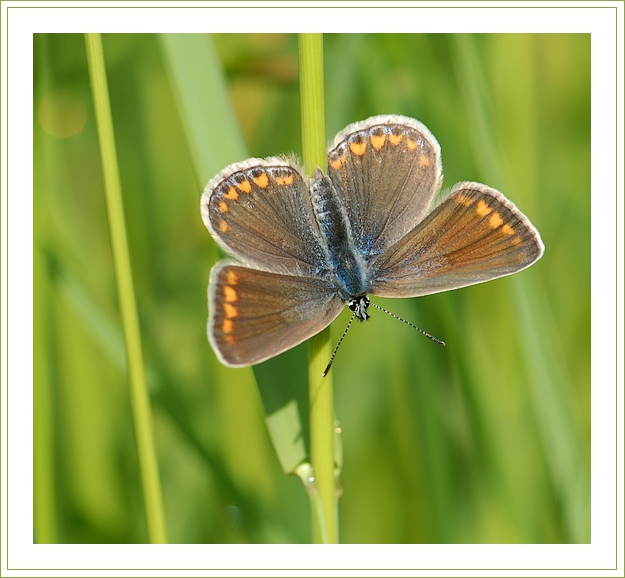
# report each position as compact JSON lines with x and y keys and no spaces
{"x":348,"y":266}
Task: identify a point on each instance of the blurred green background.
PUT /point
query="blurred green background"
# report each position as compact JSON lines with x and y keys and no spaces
{"x":486,"y":440}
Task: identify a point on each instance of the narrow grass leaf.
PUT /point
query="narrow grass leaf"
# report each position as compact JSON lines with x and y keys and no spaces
{"x":140,"y":401}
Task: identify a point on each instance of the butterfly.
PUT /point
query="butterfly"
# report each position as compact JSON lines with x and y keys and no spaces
{"x":303,"y":249}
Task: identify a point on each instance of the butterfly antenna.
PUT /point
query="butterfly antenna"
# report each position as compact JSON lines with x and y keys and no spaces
{"x":338,"y":344}
{"x":407,"y":323}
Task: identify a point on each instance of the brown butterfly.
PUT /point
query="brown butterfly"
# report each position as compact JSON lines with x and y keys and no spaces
{"x":305,"y":249}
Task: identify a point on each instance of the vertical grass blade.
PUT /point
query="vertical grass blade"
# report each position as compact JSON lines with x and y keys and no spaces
{"x":319,"y":347}
{"x":138,"y":387}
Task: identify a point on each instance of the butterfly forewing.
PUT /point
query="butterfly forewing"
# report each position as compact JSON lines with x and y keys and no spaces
{"x":254,"y":315}
{"x":388,"y":170}
{"x":474,"y":235}
{"x":260,"y":211}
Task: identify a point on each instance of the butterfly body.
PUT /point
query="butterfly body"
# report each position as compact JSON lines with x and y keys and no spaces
{"x":304,"y":249}
{"x":346,"y":263}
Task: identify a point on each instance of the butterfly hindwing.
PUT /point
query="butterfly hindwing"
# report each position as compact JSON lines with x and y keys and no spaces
{"x":255,"y":315}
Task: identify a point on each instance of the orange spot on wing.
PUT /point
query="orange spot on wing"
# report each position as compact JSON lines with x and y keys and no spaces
{"x":336,"y":164}
{"x":223,"y":226}
{"x":245,"y":186}
{"x":496,"y":220}
{"x":231,"y":195}
{"x":230,"y":310}
{"x":230,"y":294}
{"x":288,"y":180}
{"x":424,"y":161}
{"x":227,"y":326}
{"x":411,"y":144}
{"x":507,"y":229}
{"x":262,"y":181}
{"x":358,"y":148}
{"x":482,"y":208}
{"x":223,"y":207}
{"x":233,"y":279}
{"x":377,"y":142}
{"x":395,"y":139}
{"x":517,"y":240}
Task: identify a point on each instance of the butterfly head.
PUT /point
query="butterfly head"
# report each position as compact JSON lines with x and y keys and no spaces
{"x":359,"y":306}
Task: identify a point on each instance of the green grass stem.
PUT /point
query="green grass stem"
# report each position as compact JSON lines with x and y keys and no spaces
{"x":140,"y":401}
{"x":324,"y":513}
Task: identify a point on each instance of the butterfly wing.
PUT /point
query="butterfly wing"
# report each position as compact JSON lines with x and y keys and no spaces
{"x":260,"y":211}
{"x":474,"y":235}
{"x":387,"y":169}
{"x":255,"y":315}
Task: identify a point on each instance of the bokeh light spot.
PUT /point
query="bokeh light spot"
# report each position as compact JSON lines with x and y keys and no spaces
{"x":62,"y":112}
